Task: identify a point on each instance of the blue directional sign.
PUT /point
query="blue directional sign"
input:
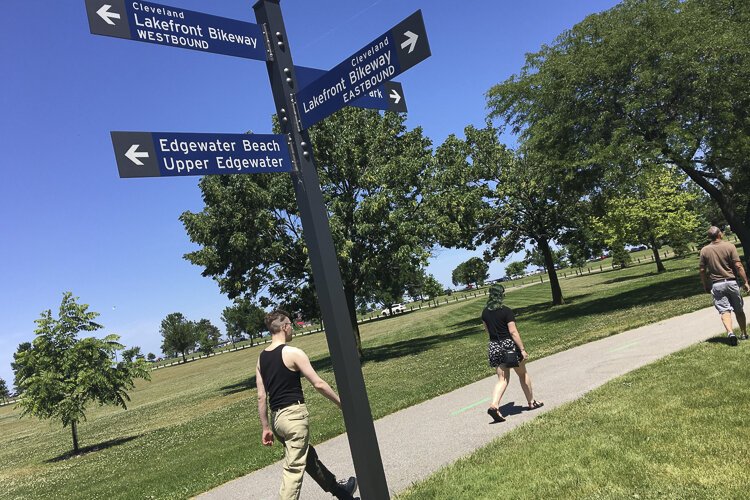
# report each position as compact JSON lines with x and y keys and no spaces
{"x":389,"y":96}
{"x":164,"y":25}
{"x":168,"y":154}
{"x":376,"y":63}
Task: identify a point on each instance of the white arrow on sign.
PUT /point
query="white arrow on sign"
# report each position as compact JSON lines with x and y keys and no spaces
{"x":133,"y":155}
{"x":395,"y":96}
{"x":105,"y":14}
{"x":411,"y":41}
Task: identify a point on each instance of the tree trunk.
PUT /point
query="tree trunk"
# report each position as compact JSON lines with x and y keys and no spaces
{"x":655,"y":249}
{"x":184,"y":359}
{"x":554,"y":283}
{"x":739,"y":227}
{"x":352,"y":305}
{"x":74,"y":429}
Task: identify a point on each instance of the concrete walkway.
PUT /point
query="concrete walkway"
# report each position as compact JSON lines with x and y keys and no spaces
{"x":417,"y":441}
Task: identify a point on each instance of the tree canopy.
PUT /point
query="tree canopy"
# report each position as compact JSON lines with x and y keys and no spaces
{"x":474,"y":270}
{"x":648,"y":81}
{"x":370,"y":167}
{"x":61,"y":373}
{"x":178,"y":335}
{"x":654,"y":209}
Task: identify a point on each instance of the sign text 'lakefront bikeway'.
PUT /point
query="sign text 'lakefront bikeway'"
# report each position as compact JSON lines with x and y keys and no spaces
{"x":388,"y":96}
{"x":376,"y":63}
{"x":164,"y":25}
{"x":167,"y":154}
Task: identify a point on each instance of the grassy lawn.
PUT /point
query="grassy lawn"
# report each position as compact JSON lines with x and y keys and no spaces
{"x":195,"y":426}
{"x":677,"y":428}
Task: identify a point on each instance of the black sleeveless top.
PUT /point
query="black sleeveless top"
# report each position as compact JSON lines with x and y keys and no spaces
{"x":282,"y":384}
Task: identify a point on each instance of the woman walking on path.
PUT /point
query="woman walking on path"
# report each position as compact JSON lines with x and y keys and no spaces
{"x":500,"y":324}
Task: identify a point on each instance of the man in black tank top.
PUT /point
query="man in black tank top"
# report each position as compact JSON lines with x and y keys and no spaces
{"x":277,"y":375}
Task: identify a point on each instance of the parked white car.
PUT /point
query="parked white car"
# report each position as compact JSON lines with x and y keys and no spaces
{"x":396,"y":308}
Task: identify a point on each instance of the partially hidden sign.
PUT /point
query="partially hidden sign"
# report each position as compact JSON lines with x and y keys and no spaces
{"x":167,"y":154}
{"x":175,"y":27}
{"x":376,"y":63}
{"x":388,"y":96}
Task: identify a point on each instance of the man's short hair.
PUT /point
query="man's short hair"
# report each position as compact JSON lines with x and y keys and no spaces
{"x":275,"y":319}
{"x":714,"y":233}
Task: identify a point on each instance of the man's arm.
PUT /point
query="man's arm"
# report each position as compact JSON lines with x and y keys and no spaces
{"x":705,"y":280}
{"x":302,"y":362}
{"x":741,"y":272}
{"x":267,"y":436}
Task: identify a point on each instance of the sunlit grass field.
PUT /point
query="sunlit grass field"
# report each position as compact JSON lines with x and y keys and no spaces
{"x":195,"y":426}
{"x":675,"y":429}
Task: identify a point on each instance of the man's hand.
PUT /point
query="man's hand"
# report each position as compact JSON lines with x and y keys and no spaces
{"x":267,"y":437}
{"x":747,"y":287}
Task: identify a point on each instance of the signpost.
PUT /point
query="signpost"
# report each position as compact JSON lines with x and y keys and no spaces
{"x":379,"y":61}
{"x":388,"y":96}
{"x":164,"y":25}
{"x":361,"y":80}
{"x":166,"y":154}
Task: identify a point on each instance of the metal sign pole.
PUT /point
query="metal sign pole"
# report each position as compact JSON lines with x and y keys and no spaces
{"x":339,"y":335}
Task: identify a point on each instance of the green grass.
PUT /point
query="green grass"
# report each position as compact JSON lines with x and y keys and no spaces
{"x":677,"y":428}
{"x":195,"y":426}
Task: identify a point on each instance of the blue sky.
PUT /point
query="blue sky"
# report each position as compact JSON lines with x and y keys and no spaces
{"x":69,"y":223}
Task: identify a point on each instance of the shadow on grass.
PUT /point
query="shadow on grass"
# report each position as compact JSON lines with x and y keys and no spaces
{"x":652,"y":293}
{"x":577,"y":306}
{"x":91,"y":449}
{"x":719,"y":340}
{"x":622,"y":279}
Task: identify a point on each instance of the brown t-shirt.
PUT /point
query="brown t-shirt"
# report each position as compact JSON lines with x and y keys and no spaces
{"x":718,"y":260}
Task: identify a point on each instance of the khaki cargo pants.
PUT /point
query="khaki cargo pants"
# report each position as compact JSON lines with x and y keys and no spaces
{"x":291,"y":427}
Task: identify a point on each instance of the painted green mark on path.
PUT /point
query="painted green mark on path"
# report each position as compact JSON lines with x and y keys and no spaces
{"x":469,"y":407}
{"x":623,"y":347}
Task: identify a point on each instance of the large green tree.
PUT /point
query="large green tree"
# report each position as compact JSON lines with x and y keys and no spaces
{"x":648,"y":81}
{"x":653,"y":209}
{"x":486,"y":194}
{"x":371,"y":172}
{"x":61,"y":373}
{"x":178,"y":335}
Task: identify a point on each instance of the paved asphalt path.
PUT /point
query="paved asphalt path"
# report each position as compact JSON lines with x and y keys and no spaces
{"x":417,"y":441}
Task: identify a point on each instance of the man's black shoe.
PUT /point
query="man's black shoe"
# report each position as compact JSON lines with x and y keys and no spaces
{"x":732,"y":340}
{"x":743,"y":336}
{"x":348,"y":485}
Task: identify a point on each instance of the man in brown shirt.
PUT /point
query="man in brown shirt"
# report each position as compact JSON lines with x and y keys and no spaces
{"x":720,"y":266}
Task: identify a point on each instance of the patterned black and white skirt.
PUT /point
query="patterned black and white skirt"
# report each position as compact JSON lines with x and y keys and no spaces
{"x":496,"y":348}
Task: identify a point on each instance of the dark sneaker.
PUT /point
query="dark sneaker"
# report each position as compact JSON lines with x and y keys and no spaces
{"x":743,"y":336}
{"x":348,"y":485}
{"x":732,"y":340}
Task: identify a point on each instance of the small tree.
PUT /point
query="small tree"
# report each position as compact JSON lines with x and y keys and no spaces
{"x":178,"y":335}
{"x":207,"y":335}
{"x":474,"y":270}
{"x":243,"y":318}
{"x":151,"y":356}
{"x":18,"y":370}
{"x":515,"y":269}
{"x":60,"y":374}
{"x":620,"y":256}
{"x":4,"y":392}
{"x":132,"y":353}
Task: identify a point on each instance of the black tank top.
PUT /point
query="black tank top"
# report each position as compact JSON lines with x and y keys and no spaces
{"x":282,"y":384}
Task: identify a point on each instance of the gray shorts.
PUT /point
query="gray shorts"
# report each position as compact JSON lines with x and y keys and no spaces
{"x":727,"y":296}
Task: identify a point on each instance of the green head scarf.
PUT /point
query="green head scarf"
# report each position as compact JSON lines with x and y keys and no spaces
{"x":497,"y":295}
